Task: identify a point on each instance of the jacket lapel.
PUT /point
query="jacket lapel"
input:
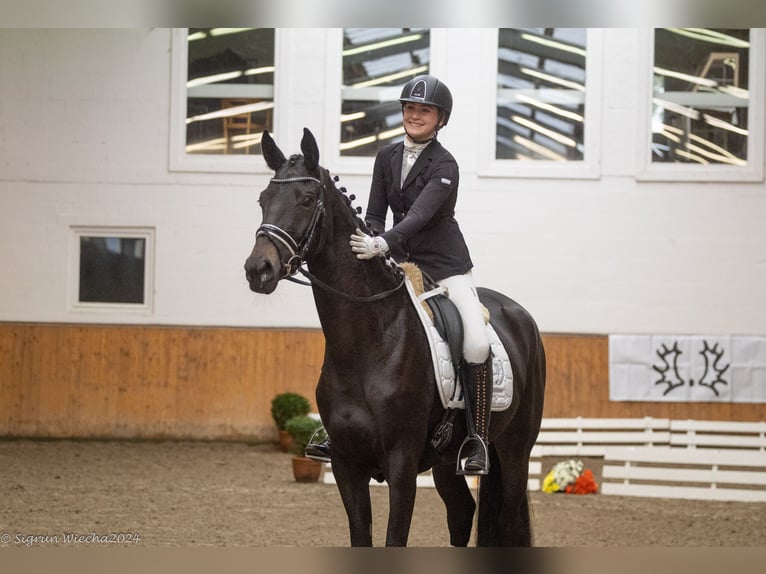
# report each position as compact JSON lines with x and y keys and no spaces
{"x":396,"y":165}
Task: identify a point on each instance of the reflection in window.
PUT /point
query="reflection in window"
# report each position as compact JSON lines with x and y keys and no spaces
{"x":541,"y":94}
{"x":377,"y":62}
{"x":112,"y":269}
{"x":700,"y":100}
{"x":229,"y":89}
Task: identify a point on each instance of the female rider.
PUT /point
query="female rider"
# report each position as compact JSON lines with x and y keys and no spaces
{"x":418,"y":180}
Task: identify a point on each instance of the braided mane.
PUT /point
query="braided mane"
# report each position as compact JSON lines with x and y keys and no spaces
{"x":348,"y":200}
{"x":355,"y":213}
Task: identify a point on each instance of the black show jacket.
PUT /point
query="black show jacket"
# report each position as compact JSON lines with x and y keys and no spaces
{"x":425,"y":231}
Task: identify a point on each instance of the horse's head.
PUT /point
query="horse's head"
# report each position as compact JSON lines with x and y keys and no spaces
{"x":292,"y":207}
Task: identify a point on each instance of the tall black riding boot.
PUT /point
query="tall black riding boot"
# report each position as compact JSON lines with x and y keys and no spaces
{"x":478,"y":398}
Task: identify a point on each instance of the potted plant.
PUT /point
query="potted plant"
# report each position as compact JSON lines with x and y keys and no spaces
{"x":284,"y":407}
{"x":301,"y":429}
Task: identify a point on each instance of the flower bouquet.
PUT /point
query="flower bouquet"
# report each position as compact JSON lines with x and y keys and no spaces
{"x":570,"y":477}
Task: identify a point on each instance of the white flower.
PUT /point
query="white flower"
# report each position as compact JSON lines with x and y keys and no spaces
{"x":566,"y":472}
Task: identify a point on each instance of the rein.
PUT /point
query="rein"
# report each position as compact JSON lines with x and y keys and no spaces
{"x":312,"y":281}
{"x":298,"y":252}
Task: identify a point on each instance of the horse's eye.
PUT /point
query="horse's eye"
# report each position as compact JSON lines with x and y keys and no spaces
{"x":307,"y":200}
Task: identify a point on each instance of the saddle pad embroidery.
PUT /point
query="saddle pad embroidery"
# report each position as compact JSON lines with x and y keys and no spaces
{"x":447,"y":383}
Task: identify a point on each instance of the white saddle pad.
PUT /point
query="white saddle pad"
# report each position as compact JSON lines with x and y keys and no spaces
{"x":447,"y":382}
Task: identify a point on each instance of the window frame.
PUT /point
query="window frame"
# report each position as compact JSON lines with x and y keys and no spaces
{"x":76,"y":232}
{"x":588,"y":168}
{"x":647,"y":170}
{"x":179,"y":160}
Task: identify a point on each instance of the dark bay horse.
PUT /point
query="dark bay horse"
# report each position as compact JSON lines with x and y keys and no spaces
{"x":376,"y":393}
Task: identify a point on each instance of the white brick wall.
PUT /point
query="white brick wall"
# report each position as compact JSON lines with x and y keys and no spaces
{"x":84,"y":140}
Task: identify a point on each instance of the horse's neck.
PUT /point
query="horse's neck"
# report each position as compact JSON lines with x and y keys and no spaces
{"x":337,"y":264}
{"x":346,"y":321}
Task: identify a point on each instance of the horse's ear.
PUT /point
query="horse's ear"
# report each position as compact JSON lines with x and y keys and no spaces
{"x":310,"y":150}
{"x":271,"y":152}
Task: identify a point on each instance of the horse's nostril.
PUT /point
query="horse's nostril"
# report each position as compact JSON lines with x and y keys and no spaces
{"x":265,"y":269}
{"x":251,"y":271}
{"x":259,"y":272}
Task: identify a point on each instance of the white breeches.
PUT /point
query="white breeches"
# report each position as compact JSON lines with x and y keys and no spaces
{"x":462,"y":292}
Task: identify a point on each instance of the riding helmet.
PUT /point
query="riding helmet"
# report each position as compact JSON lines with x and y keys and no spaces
{"x":430,"y":90}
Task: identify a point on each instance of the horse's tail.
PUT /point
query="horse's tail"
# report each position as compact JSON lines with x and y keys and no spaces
{"x":514,"y":502}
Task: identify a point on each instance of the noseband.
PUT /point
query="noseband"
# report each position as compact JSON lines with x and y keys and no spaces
{"x":281,"y":237}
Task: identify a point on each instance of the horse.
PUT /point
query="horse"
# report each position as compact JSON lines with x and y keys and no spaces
{"x":376,"y":392}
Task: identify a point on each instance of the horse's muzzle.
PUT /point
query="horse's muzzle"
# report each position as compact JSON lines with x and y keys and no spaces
{"x":262,"y":268}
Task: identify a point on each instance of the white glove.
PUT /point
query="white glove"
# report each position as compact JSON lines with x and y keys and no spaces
{"x":367,"y":247}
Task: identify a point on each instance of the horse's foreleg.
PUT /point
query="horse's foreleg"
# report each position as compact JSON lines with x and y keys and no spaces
{"x":354,"y":488}
{"x":402,"y":488}
{"x":457,"y":498}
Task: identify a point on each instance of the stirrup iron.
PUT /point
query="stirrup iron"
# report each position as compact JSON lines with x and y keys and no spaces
{"x":323,"y":444}
{"x":482,"y":446}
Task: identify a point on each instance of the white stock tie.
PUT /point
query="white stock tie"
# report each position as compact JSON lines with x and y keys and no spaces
{"x":411,"y":152}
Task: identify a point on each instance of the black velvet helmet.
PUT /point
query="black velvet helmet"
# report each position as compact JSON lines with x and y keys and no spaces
{"x":428,"y":90}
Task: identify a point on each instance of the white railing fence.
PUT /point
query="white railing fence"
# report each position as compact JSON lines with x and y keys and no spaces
{"x":654,"y":457}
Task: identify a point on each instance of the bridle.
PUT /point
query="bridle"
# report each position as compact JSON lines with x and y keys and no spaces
{"x":278,"y":236}
{"x":299,"y":250}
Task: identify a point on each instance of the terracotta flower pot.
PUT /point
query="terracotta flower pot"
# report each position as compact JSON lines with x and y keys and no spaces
{"x":285,"y":441}
{"x":306,"y":469}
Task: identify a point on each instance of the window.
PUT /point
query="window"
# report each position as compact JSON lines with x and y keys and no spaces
{"x":223,"y":97}
{"x":229,"y":89}
{"x":377,"y":62}
{"x":700,"y":100}
{"x":545,"y":110}
{"x":113,"y":268}
{"x":541,"y":94}
{"x":706,"y":109}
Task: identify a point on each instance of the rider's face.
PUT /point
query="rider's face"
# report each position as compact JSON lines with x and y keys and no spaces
{"x":420,"y":120}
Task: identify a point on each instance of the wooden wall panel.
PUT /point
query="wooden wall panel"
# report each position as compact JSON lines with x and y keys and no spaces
{"x":150,"y":382}
{"x":60,"y":380}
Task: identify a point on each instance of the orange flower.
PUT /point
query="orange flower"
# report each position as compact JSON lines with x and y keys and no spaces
{"x":585,"y":484}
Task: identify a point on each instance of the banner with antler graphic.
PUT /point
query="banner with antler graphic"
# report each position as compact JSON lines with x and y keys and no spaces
{"x":687,"y":368}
